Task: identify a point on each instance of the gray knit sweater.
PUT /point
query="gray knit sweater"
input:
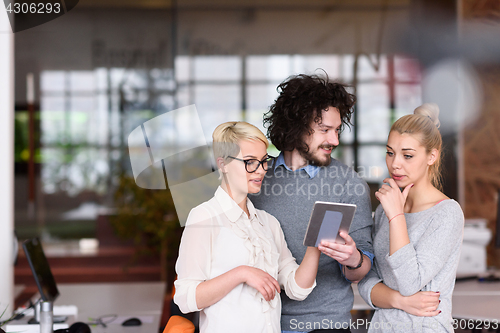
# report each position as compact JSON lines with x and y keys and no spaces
{"x":428,"y":263}
{"x":290,"y":196}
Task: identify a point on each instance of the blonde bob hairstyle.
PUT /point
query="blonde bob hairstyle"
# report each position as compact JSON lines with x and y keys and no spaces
{"x":424,"y":124}
{"x":226,"y":138}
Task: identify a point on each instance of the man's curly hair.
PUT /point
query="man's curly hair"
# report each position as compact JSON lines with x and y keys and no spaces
{"x":301,"y":100}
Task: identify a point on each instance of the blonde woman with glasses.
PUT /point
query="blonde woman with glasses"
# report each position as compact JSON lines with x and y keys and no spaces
{"x":233,"y":259}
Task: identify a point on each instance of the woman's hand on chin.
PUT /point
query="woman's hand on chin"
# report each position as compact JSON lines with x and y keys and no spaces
{"x":391,"y":197}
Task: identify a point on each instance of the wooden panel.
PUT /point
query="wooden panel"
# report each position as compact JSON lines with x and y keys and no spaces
{"x":482,"y":157}
{"x":481,"y":9}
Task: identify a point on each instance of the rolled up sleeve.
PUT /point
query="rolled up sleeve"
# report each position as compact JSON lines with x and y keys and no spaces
{"x":415,"y":265}
{"x":366,"y":285}
{"x":292,"y":289}
{"x":193,"y":264}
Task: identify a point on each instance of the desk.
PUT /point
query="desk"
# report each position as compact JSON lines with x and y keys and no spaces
{"x":123,"y":299}
{"x":471,"y":300}
{"x":476,"y":300}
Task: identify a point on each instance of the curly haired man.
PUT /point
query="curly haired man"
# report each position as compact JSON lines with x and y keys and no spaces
{"x":304,"y":123}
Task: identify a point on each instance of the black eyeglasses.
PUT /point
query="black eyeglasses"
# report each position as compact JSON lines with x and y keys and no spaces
{"x":251,"y":165}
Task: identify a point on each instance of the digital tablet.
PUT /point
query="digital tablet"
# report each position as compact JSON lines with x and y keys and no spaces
{"x":327,"y":219}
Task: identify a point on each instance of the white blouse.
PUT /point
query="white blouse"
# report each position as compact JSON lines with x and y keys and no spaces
{"x":219,"y":237}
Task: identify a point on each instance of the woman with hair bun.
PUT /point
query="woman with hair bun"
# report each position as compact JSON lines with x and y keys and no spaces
{"x":417,"y":233}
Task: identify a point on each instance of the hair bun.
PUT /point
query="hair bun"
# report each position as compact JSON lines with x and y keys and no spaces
{"x":430,"y":110}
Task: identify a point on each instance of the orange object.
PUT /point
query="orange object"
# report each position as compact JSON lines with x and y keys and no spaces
{"x":178,"y":324}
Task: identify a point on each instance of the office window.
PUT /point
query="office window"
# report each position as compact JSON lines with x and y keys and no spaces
{"x":242,"y":88}
{"x":373,"y":112}
{"x":387,"y":87}
{"x":86,"y":116}
{"x":87,"y":110}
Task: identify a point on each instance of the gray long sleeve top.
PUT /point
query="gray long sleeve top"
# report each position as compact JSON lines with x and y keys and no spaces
{"x":290,"y":196}
{"x":428,"y":263}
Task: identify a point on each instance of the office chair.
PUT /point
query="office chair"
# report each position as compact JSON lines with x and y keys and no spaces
{"x":178,"y":324}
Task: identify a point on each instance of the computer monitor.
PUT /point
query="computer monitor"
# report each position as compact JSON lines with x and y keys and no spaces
{"x":41,"y":270}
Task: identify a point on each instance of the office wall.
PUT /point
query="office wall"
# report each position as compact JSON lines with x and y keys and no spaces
{"x":480,"y":28}
{"x":6,"y":163}
{"x":91,"y":37}
{"x":77,"y":40}
{"x":88,"y":38}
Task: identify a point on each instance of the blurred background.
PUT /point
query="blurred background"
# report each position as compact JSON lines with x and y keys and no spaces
{"x":107,"y":66}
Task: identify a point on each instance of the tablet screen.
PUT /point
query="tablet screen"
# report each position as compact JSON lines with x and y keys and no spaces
{"x":327,"y":219}
{"x":329,"y":226}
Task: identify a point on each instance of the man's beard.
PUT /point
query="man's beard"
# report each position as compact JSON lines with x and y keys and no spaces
{"x":313,"y":160}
